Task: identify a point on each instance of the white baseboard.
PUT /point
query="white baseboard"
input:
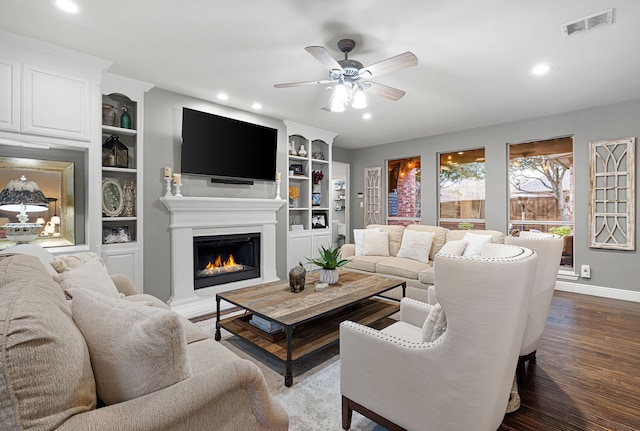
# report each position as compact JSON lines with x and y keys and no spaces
{"x":604,"y":292}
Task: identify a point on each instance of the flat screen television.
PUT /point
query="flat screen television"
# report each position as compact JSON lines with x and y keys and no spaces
{"x":226,"y":149}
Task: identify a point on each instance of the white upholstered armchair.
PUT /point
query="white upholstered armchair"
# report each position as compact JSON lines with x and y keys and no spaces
{"x":549,"y":250}
{"x":462,"y":379}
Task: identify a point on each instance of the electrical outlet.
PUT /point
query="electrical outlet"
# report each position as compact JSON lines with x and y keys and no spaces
{"x":585,"y":271}
{"x":361,"y":204}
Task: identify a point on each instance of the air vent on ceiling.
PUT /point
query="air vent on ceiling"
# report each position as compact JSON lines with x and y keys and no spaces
{"x":588,"y":22}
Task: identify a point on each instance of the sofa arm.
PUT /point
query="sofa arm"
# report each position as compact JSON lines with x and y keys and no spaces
{"x":202,"y":402}
{"x":348,"y":250}
{"x":124,"y":284}
{"x":414,"y":312}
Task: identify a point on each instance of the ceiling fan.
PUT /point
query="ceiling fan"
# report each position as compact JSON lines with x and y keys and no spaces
{"x":351,"y":78}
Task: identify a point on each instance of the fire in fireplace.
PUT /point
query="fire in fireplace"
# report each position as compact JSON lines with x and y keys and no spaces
{"x":223,"y":259}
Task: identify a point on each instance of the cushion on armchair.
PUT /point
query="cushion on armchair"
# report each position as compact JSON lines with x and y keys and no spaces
{"x":435,"y":325}
{"x":134,"y":349}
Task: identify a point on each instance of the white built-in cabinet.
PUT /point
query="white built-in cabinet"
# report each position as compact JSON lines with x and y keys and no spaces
{"x":55,"y":104}
{"x":122,"y":245}
{"x":308,"y":219}
{"x":9,"y":95}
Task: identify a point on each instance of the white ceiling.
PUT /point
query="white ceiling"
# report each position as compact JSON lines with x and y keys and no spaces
{"x":474,"y":56}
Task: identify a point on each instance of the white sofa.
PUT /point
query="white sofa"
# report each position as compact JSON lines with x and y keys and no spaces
{"x":67,"y":367}
{"x":417,"y":269}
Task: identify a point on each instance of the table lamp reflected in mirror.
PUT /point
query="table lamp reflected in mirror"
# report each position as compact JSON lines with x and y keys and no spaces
{"x":22,"y":196}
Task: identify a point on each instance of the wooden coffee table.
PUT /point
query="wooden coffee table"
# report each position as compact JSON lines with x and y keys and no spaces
{"x":310,"y":319}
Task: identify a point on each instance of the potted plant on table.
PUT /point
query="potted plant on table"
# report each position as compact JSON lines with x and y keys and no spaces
{"x":329,"y":261}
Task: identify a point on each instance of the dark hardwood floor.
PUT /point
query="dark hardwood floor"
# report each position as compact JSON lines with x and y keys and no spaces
{"x":587,"y":373}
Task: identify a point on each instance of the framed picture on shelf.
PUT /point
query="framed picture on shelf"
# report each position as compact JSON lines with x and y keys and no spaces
{"x":115,"y":235}
{"x":297,"y":169}
{"x":319,"y":221}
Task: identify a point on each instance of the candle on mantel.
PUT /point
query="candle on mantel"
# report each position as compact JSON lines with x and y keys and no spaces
{"x":177,"y":179}
{"x":167,"y":171}
{"x":278,"y":176}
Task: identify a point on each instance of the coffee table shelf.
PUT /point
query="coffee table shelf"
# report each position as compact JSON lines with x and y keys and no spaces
{"x":322,"y":333}
{"x":310,"y":319}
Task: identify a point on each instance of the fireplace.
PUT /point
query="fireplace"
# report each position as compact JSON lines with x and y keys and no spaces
{"x":221,"y":259}
{"x":196,"y":217}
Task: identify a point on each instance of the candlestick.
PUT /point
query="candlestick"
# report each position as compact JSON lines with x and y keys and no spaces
{"x":278,"y":176}
{"x":167,"y":171}
{"x":278,"y":181}
{"x":168,"y":181}
{"x":177,"y":178}
{"x":176,"y":187}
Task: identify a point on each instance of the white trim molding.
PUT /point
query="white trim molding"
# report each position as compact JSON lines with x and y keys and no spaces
{"x":603,"y":292}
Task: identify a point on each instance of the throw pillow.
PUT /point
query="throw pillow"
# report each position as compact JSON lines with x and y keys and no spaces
{"x":455,"y":248}
{"x":76,"y":260}
{"x":359,"y":239}
{"x":92,"y":275}
{"x":416,"y":245}
{"x":376,"y":243}
{"x":435,"y":325}
{"x":42,"y":254}
{"x":134,"y":349}
{"x":475,"y":242}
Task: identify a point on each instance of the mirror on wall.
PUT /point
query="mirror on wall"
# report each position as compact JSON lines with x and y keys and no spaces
{"x":56,"y":181}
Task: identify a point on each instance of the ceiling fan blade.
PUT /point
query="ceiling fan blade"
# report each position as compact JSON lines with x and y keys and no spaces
{"x":321,"y":54}
{"x":391,"y":64}
{"x":303,"y":83}
{"x":384,"y":91}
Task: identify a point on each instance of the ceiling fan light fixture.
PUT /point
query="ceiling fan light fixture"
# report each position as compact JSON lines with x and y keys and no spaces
{"x":339,"y":98}
{"x":359,"y":100}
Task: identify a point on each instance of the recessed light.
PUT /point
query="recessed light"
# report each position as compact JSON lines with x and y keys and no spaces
{"x":366,"y":116}
{"x":67,"y":6}
{"x":256,"y":106}
{"x":222,"y":96}
{"x":541,"y":69}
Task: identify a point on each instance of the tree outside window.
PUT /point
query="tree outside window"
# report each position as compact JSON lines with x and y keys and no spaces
{"x":462,"y":190}
{"x":541,"y":189}
{"x":403,"y":191}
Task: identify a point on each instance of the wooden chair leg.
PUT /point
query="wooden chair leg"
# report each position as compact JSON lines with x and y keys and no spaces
{"x":521,"y":371}
{"x":347,"y":413}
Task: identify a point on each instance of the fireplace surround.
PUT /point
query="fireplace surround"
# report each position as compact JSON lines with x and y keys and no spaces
{"x":195,"y":217}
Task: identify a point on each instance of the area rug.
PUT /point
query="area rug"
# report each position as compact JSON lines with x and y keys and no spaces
{"x":314,"y":401}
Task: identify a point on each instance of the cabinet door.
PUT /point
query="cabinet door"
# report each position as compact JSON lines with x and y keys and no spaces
{"x":9,"y":96}
{"x":299,"y":250}
{"x":320,"y":240}
{"x":55,"y":105}
{"x":124,"y":261}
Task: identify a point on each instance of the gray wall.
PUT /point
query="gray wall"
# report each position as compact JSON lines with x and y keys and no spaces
{"x":162,"y":142}
{"x":609,"y":268}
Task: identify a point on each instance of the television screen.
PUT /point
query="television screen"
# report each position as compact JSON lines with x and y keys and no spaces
{"x":226,"y":148}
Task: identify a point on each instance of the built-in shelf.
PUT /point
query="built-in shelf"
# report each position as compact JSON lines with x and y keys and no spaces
{"x":124,"y":170}
{"x":119,"y":218}
{"x":118,"y":131}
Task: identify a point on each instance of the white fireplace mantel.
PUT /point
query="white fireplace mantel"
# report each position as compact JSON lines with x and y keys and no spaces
{"x":202,"y":216}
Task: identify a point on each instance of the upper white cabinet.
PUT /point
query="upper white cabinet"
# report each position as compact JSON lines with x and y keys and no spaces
{"x":9,"y":95}
{"x":55,"y":104}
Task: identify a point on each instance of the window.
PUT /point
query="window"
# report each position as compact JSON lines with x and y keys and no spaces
{"x":541,"y":190}
{"x":462,"y":190}
{"x":403,"y":191}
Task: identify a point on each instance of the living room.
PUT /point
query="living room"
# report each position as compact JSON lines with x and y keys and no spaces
{"x":444,"y":110}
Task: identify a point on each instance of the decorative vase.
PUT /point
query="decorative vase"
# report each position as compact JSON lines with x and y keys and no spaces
{"x":329,"y":275}
{"x":316,"y":195}
{"x":108,"y":115}
{"x":293,"y":203}
{"x":125,"y":119}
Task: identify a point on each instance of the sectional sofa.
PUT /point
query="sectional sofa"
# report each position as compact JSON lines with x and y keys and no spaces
{"x":112,"y":358}
{"x":407,"y":253}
